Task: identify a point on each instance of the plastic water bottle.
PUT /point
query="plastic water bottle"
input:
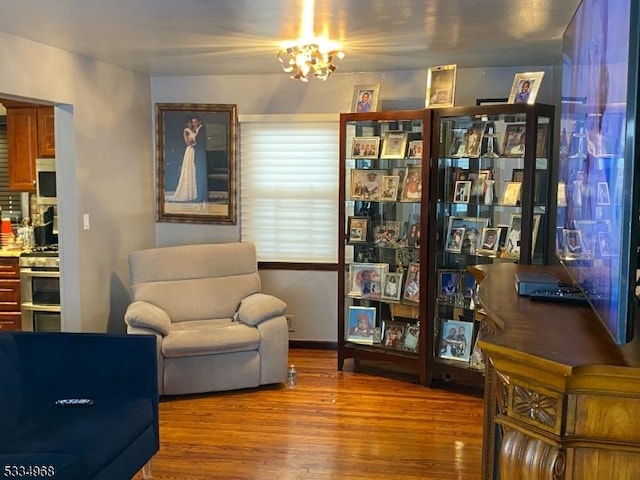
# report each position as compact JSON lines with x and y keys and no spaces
{"x":292,"y":377}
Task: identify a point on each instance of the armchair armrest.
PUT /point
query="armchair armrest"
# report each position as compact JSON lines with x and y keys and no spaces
{"x":147,"y":315}
{"x":259,"y":307}
{"x":86,"y":365}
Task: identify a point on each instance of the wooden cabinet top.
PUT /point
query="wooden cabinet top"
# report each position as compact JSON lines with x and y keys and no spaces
{"x":565,"y":339}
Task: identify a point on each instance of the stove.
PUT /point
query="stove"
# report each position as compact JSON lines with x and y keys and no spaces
{"x":41,"y":258}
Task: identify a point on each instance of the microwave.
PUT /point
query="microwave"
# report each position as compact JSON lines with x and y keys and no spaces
{"x":46,"y":193}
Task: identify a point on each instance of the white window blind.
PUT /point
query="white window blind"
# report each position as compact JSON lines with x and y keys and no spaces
{"x":289,"y":189}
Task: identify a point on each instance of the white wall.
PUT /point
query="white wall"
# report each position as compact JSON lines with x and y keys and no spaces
{"x":312,"y":296}
{"x":105,"y":169}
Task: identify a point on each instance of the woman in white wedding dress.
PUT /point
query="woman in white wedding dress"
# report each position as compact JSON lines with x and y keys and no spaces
{"x":187,"y":189}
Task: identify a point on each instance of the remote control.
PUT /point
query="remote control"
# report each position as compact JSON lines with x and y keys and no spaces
{"x":80,"y":402}
{"x":560,"y":296}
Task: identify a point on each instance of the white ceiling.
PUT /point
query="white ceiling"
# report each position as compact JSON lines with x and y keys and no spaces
{"x":224,"y":37}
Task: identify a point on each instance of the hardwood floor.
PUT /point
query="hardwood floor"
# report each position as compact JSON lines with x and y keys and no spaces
{"x":334,"y":425}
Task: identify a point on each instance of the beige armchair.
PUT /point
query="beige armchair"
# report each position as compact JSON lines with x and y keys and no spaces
{"x":214,"y":329}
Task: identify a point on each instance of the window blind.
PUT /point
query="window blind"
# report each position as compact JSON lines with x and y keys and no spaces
{"x":289,"y":189}
{"x":9,"y":201}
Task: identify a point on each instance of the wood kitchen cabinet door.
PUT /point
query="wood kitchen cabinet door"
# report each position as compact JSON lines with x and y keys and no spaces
{"x":22,"y":143}
{"x":46,"y":132}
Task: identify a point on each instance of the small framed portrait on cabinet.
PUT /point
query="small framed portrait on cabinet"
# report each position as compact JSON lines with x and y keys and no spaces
{"x":456,"y":338}
{"x":462,"y":191}
{"x":525,"y":87}
{"x":362,"y":321}
{"x":392,"y":286}
{"x":412,"y":188}
{"x":365,"y":147}
{"x":394,"y":145}
{"x":415,"y":149}
{"x":448,"y":285}
{"x":365,"y":98}
{"x":490,"y":240}
{"x":412,"y":283}
{"x":390,"y":187}
{"x":441,"y":82}
{"x":366,"y":184}
{"x":357,"y":229}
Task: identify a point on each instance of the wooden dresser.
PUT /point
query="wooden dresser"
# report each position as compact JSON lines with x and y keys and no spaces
{"x":562,"y":401}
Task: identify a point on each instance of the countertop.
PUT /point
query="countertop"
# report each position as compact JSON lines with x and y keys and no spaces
{"x":11,"y":252}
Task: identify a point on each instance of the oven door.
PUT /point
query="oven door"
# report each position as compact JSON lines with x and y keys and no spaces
{"x":40,"y":300}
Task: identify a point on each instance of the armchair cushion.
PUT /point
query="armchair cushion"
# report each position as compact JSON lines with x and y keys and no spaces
{"x":147,"y":315}
{"x":258,"y":307}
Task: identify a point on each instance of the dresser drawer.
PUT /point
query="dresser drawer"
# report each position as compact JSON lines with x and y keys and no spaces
{"x":9,"y":267}
{"x":10,"y":321}
{"x":9,"y":295}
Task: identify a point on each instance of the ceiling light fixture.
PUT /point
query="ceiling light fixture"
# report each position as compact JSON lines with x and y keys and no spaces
{"x":309,"y":56}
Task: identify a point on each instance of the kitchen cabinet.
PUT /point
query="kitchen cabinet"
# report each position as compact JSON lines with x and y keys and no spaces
{"x":10,"y":315}
{"x":30,"y":135}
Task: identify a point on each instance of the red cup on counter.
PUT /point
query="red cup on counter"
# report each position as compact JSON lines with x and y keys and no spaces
{"x":6,"y":226}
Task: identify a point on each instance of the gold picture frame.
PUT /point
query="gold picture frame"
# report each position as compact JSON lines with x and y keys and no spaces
{"x":196,"y":163}
{"x":441,"y":83}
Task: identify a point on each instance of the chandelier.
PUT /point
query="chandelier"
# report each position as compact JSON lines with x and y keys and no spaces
{"x":310,"y":56}
{"x":304,"y":61}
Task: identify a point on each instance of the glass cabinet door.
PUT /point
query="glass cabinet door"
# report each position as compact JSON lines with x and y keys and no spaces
{"x":490,"y":205}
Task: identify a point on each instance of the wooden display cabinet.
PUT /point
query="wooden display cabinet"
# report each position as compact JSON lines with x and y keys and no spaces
{"x":489,"y":204}
{"x":382,"y":285}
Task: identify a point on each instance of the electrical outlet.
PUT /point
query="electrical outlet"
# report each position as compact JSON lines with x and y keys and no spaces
{"x":290,"y":323}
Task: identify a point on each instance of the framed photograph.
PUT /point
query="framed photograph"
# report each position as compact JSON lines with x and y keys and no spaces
{"x":525,"y":87}
{"x":534,"y":232}
{"x":511,"y":194}
{"x":412,"y":283}
{"x":603,"y":193}
{"x":448,"y":285}
{"x":363,"y":275}
{"x":390,"y":185}
{"x":365,"y":147}
{"x":415,"y":149}
{"x":572,"y":240}
{"x":412,"y":188}
{"x":462,"y":191}
{"x":472,"y":232}
{"x":514,"y":140}
{"x":393,"y":334}
{"x":473,"y":141}
{"x":455,"y":237}
{"x":366,"y":184}
{"x":357,"y":229}
{"x":479,"y":184}
{"x":196,"y":163}
{"x":383,"y":236}
{"x":392,"y":286}
{"x":456,"y":338}
{"x":401,"y":173}
{"x":365,"y":98}
{"x":512,"y":244}
{"x":394,"y":145}
{"x":490,"y":240}
{"x":362,"y":321}
{"x":441,"y":83}
{"x":541,"y":140}
{"x":469,"y":285}
{"x":562,"y":194}
{"x":411,"y":337}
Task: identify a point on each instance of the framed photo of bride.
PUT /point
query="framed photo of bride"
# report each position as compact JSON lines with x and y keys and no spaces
{"x":196,"y":163}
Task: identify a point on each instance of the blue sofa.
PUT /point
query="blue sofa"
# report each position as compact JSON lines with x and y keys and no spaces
{"x":112,"y":439}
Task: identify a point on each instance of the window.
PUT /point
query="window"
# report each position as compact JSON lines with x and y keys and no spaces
{"x":289,"y":187}
{"x":9,"y":201}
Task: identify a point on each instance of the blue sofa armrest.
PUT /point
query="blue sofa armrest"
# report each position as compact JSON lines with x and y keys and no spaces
{"x":86,"y":365}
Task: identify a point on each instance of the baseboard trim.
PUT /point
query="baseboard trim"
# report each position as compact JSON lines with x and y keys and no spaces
{"x":313,"y":345}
